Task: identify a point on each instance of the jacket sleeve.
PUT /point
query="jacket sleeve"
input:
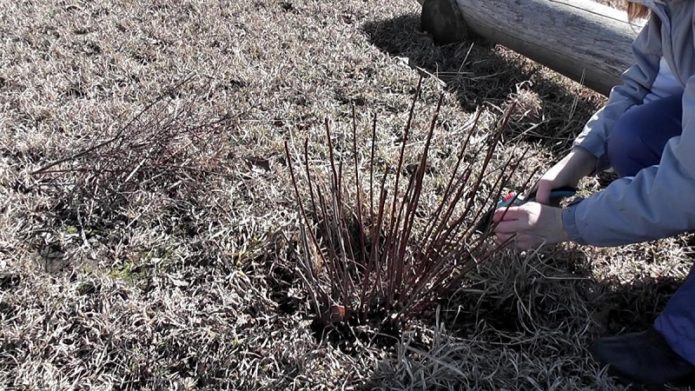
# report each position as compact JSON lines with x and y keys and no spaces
{"x":637,"y":81}
{"x":656,"y":203}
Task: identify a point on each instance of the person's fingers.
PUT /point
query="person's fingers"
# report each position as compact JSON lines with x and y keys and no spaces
{"x":511,"y":226}
{"x":501,"y":238}
{"x":528,"y":241}
{"x":511,"y":213}
{"x":521,"y":242}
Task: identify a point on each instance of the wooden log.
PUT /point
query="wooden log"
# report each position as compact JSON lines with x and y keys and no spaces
{"x":584,"y":40}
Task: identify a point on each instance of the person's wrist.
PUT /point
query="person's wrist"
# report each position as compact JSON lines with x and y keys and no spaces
{"x":563,"y":236}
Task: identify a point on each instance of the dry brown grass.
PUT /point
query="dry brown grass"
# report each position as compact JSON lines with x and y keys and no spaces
{"x":192,"y":283}
{"x":621,"y":4}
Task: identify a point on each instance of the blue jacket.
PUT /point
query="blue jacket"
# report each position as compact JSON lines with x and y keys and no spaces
{"x":660,"y":200}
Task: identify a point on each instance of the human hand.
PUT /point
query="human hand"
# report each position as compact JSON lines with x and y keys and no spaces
{"x":533,"y":224}
{"x":567,"y":172}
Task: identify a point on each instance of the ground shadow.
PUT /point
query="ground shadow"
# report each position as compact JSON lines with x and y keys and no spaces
{"x":553,"y":299}
{"x":481,"y":74}
{"x":549,"y":307}
{"x":557,"y":289}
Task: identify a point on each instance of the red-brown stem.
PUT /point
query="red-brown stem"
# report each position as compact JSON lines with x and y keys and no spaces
{"x":308,"y":178}
{"x":486,"y":162}
{"x":349,"y":255}
{"x":343,"y":236}
{"x":492,"y":198}
{"x":374,"y":255}
{"x":339,"y":190}
{"x":333,"y":255}
{"x":500,"y":185}
{"x":336,"y":186}
{"x":311,"y":186}
{"x":423,"y":267}
{"x":406,"y":133}
{"x":371,"y":170}
{"x":438,"y":278}
{"x":435,"y":216}
{"x":458,"y":243}
{"x":358,"y":188}
{"x":299,"y":202}
{"x":474,"y":247}
{"x":392,"y":241}
{"x":460,"y":188}
{"x":415,"y":200}
{"x":439,"y":241}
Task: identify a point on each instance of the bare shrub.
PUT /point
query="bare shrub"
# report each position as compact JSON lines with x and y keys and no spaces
{"x":167,"y":147}
{"x":377,"y":254}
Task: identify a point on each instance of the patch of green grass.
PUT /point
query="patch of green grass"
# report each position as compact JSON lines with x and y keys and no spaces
{"x":127,"y":271}
{"x":135,"y":269}
{"x":71,"y":230}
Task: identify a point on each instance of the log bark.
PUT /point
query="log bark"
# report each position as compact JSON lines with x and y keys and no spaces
{"x":584,"y":40}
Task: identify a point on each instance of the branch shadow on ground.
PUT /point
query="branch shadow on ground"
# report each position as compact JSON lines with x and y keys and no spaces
{"x":541,"y":312}
{"x":547,"y":309}
{"x":482,"y":75}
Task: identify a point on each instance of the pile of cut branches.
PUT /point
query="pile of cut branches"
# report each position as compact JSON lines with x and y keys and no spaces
{"x":167,"y":147}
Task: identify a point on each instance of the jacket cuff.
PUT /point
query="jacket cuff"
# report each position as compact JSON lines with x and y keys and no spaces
{"x":592,"y":143}
{"x":569,"y":223}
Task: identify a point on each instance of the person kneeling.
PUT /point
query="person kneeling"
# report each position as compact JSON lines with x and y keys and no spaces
{"x":646,"y":133}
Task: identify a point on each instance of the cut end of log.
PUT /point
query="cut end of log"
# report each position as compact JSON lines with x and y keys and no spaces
{"x":580,"y":39}
{"x":443,"y":20}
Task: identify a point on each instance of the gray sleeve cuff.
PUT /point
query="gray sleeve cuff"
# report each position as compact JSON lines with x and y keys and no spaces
{"x":592,"y":143}
{"x":569,"y":223}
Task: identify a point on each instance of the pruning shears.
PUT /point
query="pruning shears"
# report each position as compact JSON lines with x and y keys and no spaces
{"x":515,"y":199}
